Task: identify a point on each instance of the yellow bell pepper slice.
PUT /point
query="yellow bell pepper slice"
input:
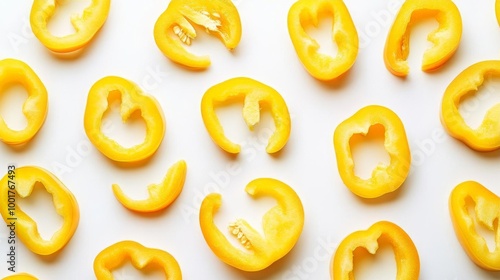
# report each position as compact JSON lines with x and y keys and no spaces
{"x":141,"y":257}
{"x":86,"y":24}
{"x":254,"y":94}
{"x":487,"y":210}
{"x":445,"y":39}
{"x":20,"y":276}
{"x":35,"y":108}
{"x":344,"y":34}
{"x":20,"y":183}
{"x":160,"y":195}
{"x":406,"y":255}
{"x":282,"y":226}
{"x":174,"y":28}
{"x":497,"y":10}
{"x":384,"y":179}
{"x":486,"y":137}
{"x":132,"y":100}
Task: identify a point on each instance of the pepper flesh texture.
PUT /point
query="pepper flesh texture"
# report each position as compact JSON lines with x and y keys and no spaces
{"x":497,"y":10}
{"x":445,"y":39}
{"x":35,"y":108}
{"x":486,"y":137}
{"x":141,"y":257}
{"x":384,"y":179}
{"x":487,"y":210}
{"x":255,"y":96}
{"x":219,"y":17}
{"x":344,"y":34}
{"x":405,"y":252}
{"x":27,"y":229}
{"x":132,"y":100}
{"x":160,"y":195}
{"x":282,"y":226}
{"x":20,"y":276}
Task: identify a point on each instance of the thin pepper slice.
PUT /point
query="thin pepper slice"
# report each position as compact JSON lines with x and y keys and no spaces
{"x":27,"y":230}
{"x":282,"y":226}
{"x":254,"y":95}
{"x":141,"y":257}
{"x":132,"y":100}
{"x":344,"y":34}
{"x":445,"y":39}
{"x":13,"y":71}
{"x":486,"y":137}
{"x":497,"y":10}
{"x":487,"y":212}
{"x":160,"y":195}
{"x":384,"y":179}
{"x":174,"y":28}
{"x":86,"y":24}
{"x":20,"y":276}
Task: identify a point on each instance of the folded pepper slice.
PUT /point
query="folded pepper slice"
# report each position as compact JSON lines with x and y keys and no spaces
{"x":133,"y":100}
{"x":487,"y":213}
{"x":86,"y":24}
{"x":254,"y":95}
{"x":141,"y":257}
{"x":20,"y":276}
{"x":445,"y":39}
{"x":26,"y":229}
{"x":282,"y":226}
{"x":175,"y":27}
{"x":35,"y":107}
{"x":385,"y":179}
{"x":344,"y":34}
{"x":383,"y":232}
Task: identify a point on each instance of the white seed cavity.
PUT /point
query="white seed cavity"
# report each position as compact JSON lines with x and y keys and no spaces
{"x":216,"y":15}
{"x":211,"y":21}
{"x":235,"y":230}
{"x":185,"y":38}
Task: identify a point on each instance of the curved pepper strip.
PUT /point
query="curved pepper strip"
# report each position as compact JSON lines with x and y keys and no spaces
{"x":35,"y":108}
{"x":255,"y":95}
{"x":115,"y":255}
{"x":174,"y":28}
{"x":385,"y":179}
{"x":86,"y":24}
{"x":445,"y":39}
{"x":282,"y":226}
{"x":160,"y":195}
{"x":132,"y":100}
{"x":20,"y":276}
{"x":486,"y":137}
{"x":344,"y":34}
{"x":487,"y":210}
{"x":26,"y":229}
{"x":497,"y":10}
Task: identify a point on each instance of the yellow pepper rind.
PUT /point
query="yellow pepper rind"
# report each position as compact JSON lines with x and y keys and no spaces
{"x":20,"y":276}
{"x":497,"y":10}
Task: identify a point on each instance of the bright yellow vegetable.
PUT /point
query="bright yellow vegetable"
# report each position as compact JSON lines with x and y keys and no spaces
{"x":20,"y":276}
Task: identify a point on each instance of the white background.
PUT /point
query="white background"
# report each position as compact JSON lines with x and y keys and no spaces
{"x":125,"y":47}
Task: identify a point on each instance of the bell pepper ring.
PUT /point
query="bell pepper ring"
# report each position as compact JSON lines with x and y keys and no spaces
{"x":160,"y":195}
{"x":384,"y":179}
{"x":254,"y":95}
{"x":445,"y":39}
{"x":132,"y":100}
{"x":282,"y":226}
{"x":86,"y":24}
{"x":344,"y":34}
{"x":35,"y":107}
{"x":406,"y":255}
{"x":20,"y":276}
{"x":141,"y":257}
{"x":26,"y":229}
{"x":487,"y":212}
{"x":174,"y":28}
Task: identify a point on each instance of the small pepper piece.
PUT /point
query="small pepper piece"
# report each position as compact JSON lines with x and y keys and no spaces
{"x":487,"y":210}
{"x":497,"y":10}
{"x":445,"y":39}
{"x":406,"y":255}
{"x":160,"y":195}
{"x":254,"y":94}
{"x":115,"y":255}
{"x":385,"y":179}
{"x":486,"y":137}
{"x":282,"y":226}
{"x":20,"y":276}
{"x":132,"y":100}
{"x":344,"y":34}
{"x":219,"y":18}
{"x":21,"y":184}
{"x":86,"y":24}
{"x":13,"y":71}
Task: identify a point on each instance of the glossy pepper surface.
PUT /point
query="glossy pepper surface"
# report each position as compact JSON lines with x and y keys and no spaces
{"x":20,"y":276}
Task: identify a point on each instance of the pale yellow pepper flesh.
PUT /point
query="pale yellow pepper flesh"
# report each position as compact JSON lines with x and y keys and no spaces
{"x":20,"y":276}
{"x":497,"y":10}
